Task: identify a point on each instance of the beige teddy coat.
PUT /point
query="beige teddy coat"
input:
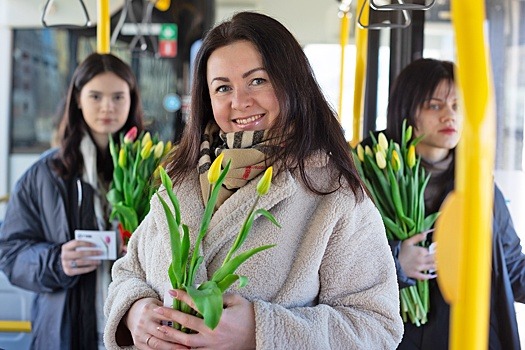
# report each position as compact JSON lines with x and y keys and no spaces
{"x":329,"y":283}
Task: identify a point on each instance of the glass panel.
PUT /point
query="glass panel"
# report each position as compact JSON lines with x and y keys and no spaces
{"x":41,"y":59}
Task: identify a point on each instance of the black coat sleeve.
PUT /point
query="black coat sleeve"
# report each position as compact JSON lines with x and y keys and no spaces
{"x":402,"y":279}
{"x":514,"y":257}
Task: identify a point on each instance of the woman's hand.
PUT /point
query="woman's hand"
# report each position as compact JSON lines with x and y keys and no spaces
{"x":144,"y":324}
{"x":415,"y":259}
{"x":236,"y":329}
{"x":76,"y":262}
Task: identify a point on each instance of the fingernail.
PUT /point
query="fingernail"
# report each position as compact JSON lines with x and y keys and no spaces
{"x":159,"y":310}
{"x":173,"y":293}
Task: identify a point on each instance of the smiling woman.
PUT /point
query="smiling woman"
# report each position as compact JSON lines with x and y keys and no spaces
{"x":329,"y":281}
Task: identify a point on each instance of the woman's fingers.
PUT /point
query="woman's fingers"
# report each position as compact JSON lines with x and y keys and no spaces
{"x":75,"y":260}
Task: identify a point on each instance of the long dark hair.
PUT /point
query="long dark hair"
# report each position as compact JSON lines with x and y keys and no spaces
{"x":413,"y":86}
{"x":309,"y":122}
{"x":72,"y":125}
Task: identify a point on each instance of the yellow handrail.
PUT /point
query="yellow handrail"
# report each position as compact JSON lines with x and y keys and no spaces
{"x":15,"y":326}
{"x":361,"y":41}
{"x":463,"y":231}
{"x":343,"y":41}
{"x":103,"y":27}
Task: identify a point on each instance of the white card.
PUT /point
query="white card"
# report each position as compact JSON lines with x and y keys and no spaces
{"x":105,"y":241}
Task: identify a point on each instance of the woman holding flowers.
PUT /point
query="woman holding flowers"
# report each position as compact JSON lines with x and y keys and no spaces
{"x":329,"y":281}
{"x":425,"y":95}
{"x":64,"y":191}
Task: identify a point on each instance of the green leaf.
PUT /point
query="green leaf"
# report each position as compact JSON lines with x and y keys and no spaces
{"x":168,"y":185}
{"x":429,"y":221}
{"x":128,"y":215}
{"x":233,"y":264}
{"x":227,"y":281}
{"x":114,"y":196}
{"x":174,"y":239}
{"x":209,"y":302}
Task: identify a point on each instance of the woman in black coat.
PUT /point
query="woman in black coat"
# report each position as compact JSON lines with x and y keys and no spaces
{"x":64,"y":191}
{"x":424,"y":93}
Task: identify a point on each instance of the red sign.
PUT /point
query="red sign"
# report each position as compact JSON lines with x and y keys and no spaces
{"x":167,"y":48}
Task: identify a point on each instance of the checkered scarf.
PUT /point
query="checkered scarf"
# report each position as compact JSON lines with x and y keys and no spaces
{"x":246,"y":150}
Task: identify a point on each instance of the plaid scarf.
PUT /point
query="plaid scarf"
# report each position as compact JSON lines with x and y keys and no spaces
{"x":246,"y":150}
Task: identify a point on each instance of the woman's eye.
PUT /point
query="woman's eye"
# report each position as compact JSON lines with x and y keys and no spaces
{"x":119,"y":97}
{"x":223,"y":88}
{"x":258,"y":81}
{"x":434,"y":107}
{"x":95,"y":97}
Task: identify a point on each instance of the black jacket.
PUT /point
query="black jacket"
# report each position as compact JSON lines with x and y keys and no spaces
{"x":42,"y":214}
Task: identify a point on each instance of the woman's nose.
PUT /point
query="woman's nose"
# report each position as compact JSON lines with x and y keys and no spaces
{"x":107,"y":103}
{"x":241,"y":99}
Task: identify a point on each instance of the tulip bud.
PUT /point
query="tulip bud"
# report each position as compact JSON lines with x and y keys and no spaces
{"x":396,"y":162}
{"x":159,"y":149}
{"x":408,"y":133}
{"x":263,"y":186}
{"x":146,"y":150}
{"x":380,"y":160}
{"x":122,"y":158}
{"x":145,"y":139}
{"x":368,"y":151}
{"x":215,"y":169}
{"x":360,"y":153}
{"x":411,"y":158}
{"x":167,"y":148}
{"x":131,"y":135}
{"x":383,"y":142}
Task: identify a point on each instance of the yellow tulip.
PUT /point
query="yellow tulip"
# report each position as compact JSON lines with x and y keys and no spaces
{"x":380,"y":160}
{"x":263,"y":186}
{"x":167,"y":148}
{"x":411,"y":158}
{"x":122,"y":158}
{"x":145,"y":139}
{"x":382,"y":141}
{"x":146,"y":150}
{"x":360,"y":153}
{"x":159,"y":150}
{"x":368,"y":151}
{"x":215,"y":169}
{"x":396,"y":162}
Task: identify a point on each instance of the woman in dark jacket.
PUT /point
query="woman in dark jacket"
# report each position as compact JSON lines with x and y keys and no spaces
{"x":424,"y":94}
{"x":64,"y":191}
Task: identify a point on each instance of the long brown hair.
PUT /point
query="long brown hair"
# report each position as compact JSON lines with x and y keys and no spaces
{"x":72,"y":125}
{"x":310,"y":123}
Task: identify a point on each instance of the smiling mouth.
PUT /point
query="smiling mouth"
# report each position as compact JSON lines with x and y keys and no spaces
{"x":249,"y":119}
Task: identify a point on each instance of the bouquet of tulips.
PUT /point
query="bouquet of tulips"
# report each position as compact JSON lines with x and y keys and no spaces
{"x":133,"y":184}
{"x":208,"y":296}
{"x":396,"y":181}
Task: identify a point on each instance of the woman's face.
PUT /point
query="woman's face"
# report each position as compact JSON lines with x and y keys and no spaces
{"x":242,"y":96}
{"x":105,"y":102}
{"x":440,"y":121}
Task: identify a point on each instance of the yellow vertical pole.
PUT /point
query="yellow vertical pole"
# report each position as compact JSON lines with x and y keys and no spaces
{"x":464,"y":257}
{"x":361,"y":42}
{"x":103,"y":26}
{"x":343,"y":41}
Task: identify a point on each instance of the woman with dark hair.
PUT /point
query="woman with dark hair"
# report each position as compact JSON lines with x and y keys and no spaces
{"x":63,"y":191}
{"x":329,"y":283}
{"x":424,"y":93}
